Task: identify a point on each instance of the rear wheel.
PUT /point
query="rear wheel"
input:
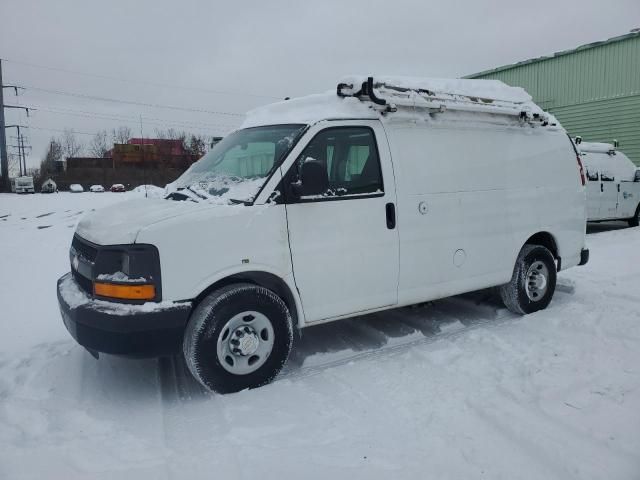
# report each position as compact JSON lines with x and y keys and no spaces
{"x":533,"y":281}
{"x":238,"y":337}
{"x":635,"y":220}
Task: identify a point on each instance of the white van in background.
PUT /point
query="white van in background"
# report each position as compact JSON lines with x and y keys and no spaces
{"x":23,"y":184}
{"x":613,"y":183}
{"x":379,"y":194}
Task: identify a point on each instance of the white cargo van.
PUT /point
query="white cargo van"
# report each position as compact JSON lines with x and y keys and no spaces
{"x":613,"y":183}
{"x":384,"y":193}
{"x":24,"y":184}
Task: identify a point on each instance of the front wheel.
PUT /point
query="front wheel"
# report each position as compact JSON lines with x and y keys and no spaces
{"x":533,"y":281}
{"x":238,"y":337}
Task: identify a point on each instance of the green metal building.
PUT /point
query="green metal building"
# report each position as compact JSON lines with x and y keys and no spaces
{"x":593,"y":90}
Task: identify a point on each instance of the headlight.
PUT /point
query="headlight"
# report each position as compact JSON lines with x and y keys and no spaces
{"x":127,"y":272}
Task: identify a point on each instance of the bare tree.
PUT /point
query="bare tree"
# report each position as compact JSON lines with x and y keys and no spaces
{"x":170,"y":134}
{"x":99,"y":146}
{"x":121,"y":134}
{"x":54,"y":154}
{"x":14,"y":164}
{"x":71,"y":146}
{"x":196,"y":145}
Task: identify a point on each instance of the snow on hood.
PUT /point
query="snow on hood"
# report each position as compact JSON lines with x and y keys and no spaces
{"x":120,"y":223}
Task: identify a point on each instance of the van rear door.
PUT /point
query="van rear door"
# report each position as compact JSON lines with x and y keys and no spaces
{"x":344,"y":244}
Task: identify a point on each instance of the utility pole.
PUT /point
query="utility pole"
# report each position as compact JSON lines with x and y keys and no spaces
{"x":4,"y":160}
{"x":20,"y":148}
{"x":24,"y":155}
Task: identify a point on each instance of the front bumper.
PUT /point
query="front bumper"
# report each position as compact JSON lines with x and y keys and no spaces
{"x":148,"y":330}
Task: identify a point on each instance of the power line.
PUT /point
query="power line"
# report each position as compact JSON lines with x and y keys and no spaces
{"x":76,"y":132}
{"x":141,"y":82}
{"x":131,"y":102}
{"x":124,"y":118}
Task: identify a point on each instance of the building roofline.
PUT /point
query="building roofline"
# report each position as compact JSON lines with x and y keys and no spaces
{"x":634,"y":33}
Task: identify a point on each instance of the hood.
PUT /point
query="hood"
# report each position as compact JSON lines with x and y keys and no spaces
{"x":121,"y":223}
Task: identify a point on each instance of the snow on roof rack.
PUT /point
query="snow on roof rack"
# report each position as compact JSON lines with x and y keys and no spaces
{"x":438,"y":95}
{"x":595,"y":147}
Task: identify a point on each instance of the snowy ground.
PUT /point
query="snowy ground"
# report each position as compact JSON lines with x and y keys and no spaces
{"x":458,"y":389}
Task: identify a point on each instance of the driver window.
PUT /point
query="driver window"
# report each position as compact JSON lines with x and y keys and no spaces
{"x":350,"y":155}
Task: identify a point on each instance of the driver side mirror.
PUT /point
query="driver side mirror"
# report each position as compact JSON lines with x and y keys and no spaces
{"x":314,"y":179}
{"x":636,"y":178}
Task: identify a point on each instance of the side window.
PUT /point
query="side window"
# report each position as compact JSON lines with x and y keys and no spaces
{"x":606,"y":176}
{"x":350,"y":155}
{"x":592,"y":174}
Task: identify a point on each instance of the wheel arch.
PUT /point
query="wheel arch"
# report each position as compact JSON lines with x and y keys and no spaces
{"x":547,"y":240}
{"x":264,"y":279}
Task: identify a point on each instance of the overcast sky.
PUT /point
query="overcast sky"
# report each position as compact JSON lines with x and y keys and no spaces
{"x":229,"y":57}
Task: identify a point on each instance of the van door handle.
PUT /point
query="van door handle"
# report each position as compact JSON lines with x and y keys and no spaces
{"x":391,"y":216}
{"x":602,"y":187}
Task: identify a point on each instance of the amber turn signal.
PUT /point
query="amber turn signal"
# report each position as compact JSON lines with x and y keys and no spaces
{"x":125,"y":292}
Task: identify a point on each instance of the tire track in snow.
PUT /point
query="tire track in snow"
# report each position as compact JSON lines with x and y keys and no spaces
{"x":470,"y":312}
{"x":396,"y":347}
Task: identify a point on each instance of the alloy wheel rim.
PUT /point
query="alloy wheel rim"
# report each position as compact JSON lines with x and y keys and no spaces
{"x":245,"y":342}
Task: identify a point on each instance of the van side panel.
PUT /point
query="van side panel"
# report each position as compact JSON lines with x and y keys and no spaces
{"x":470,"y":196}
{"x":549,"y":197}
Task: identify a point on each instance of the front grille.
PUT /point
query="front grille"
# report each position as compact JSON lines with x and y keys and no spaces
{"x":83,"y":282}
{"x":84,"y":248}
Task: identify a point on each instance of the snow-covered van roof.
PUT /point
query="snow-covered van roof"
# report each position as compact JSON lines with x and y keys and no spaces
{"x":366,"y":97}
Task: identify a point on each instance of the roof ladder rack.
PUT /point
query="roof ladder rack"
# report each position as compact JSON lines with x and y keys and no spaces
{"x":389,"y":97}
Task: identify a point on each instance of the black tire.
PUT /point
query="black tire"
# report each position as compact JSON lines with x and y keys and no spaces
{"x":635,"y":220}
{"x":205,"y":328}
{"x":515,"y":295}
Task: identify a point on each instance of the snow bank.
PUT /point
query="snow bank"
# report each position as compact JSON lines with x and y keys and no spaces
{"x":150,"y":191}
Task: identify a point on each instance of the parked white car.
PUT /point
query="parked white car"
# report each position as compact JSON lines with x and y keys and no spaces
{"x":76,"y":188}
{"x":613,"y":186}
{"x":392,"y":192}
{"x":96,"y":188}
{"x":48,"y":186}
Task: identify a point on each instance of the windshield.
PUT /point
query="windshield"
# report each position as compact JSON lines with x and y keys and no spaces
{"x":236,"y":168}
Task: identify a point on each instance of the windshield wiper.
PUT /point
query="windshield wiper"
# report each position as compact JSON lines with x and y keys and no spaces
{"x":203,"y":197}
